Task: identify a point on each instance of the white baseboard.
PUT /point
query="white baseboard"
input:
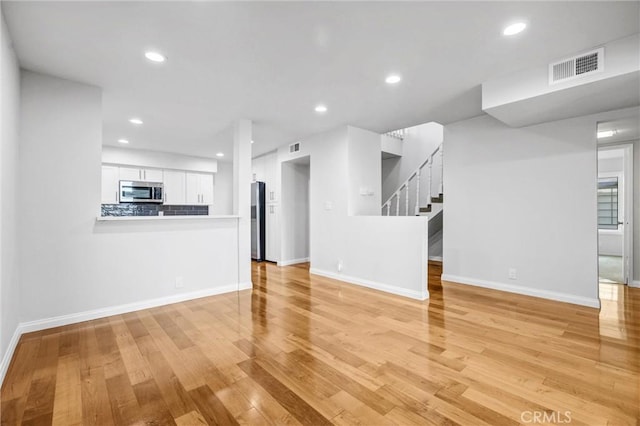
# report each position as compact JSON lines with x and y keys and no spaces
{"x":8,"y":355}
{"x":245,"y":286}
{"x":436,"y":258}
{"x":372,"y":284}
{"x":634,"y":283}
{"x":293,"y":261}
{"x":527,"y":291}
{"x":42,"y":324}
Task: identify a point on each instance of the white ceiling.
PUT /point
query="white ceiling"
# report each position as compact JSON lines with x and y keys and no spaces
{"x":273,"y":62}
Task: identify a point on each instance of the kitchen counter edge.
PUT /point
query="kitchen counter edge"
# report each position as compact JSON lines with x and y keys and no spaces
{"x":152,"y":218}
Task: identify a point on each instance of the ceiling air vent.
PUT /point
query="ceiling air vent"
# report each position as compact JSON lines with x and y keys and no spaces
{"x":576,"y":66}
{"x":294,"y":147}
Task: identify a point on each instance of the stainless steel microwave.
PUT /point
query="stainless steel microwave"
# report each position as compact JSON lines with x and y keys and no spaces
{"x":141,"y":192}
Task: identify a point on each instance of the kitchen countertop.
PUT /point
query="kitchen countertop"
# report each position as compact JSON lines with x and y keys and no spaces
{"x":154,"y":218}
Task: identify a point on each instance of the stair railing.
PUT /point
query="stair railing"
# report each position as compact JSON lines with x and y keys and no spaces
{"x":393,"y":203}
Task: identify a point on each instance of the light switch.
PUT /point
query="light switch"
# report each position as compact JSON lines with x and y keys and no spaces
{"x":328,"y":205}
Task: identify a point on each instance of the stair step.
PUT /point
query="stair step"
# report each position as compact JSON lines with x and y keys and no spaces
{"x":425,"y":209}
{"x":438,"y":199}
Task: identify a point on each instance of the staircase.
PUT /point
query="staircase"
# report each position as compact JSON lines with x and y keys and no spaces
{"x":416,"y":196}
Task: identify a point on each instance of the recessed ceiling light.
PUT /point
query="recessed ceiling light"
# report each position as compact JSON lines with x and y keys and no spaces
{"x":135,"y":121}
{"x":154,"y":56}
{"x":321,"y":108}
{"x":514,"y":28}
{"x":220,"y":154}
{"x":251,"y":140}
{"x":606,"y":133}
{"x":124,"y":141}
{"x":393,"y":79}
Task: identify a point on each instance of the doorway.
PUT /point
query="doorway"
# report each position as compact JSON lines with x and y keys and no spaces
{"x":615,"y":207}
{"x":295,"y":225}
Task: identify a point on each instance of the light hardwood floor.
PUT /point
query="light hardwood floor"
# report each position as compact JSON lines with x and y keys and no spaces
{"x":303,"y":349}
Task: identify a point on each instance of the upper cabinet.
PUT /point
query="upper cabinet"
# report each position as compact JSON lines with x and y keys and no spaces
{"x":110,"y":183}
{"x":199,"y":188}
{"x":180,"y":187}
{"x":141,"y":174}
{"x":175,"y":190}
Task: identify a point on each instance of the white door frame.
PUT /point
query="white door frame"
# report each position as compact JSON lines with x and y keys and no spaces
{"x":627,"y":219}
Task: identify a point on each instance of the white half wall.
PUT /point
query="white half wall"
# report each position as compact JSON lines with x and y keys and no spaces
{"x":9,"y":132}
{"x":383,"y":253}
{"x":71,"y":264}
{"x":511,"y":202}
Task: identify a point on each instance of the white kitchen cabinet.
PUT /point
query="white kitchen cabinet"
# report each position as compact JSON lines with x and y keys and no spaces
{"x":206,"y":187}
{"x":110,"y":185}
{"x":270,"y":172}
{"x":199,"y":188}
{"x":265,"y":169}
{"x":141,"y":174}
{"x":175,"y":190}
{"x":272,"y":237}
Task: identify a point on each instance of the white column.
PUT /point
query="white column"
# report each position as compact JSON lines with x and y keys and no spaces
{"x":242,"y":197}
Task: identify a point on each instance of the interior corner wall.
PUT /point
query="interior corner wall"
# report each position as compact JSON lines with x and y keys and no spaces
{"x":74,"y":268}
{"x":364,"y":169}
{"x":9,"y":132}
{"x":523,"y":198}
{"x":419,"y":142}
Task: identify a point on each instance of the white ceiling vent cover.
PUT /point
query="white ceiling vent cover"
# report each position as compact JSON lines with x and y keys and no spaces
{"x":294,"y":147}
{"x":577,"y":66}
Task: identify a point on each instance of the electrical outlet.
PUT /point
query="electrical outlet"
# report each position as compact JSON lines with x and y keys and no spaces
{"x":513,"y":274}
{"x":339,"y":265}
{"x":179,"y":282}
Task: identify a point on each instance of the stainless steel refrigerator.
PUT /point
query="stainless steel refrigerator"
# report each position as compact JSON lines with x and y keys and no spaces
{"x":258,"y":221}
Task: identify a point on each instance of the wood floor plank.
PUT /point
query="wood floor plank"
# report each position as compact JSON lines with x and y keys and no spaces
{"x":300,"y":349}
{"x":67,"y":405}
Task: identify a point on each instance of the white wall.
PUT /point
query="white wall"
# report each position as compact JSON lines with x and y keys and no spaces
{"x":385,"y":253}
{"x":9,"y":125}
{"x":160,"y":160}
{"x":347,"y":247}
{"x":511,"y":202}
{"x":419,"y":142}
{"x":223,"y":190}
{"x":364,"y":172}
{"x":69,"y":263}
{"x":295,"y":212}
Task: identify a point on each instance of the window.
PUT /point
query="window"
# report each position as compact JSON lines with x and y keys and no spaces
{"x":608,"y":203}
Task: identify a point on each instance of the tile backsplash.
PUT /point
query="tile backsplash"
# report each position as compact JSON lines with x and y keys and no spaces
{"x":134,"y":209}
